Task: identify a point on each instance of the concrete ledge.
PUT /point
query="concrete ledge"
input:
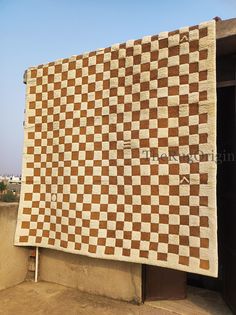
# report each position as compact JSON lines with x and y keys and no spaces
{"x":225,"y":28}
{"x":114,"y":279}
{"x":13,"y":260}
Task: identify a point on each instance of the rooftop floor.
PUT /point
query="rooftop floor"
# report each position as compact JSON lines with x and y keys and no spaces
{"x":48,"y":298}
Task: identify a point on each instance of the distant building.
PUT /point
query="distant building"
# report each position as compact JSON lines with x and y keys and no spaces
{"x":14,"y":180}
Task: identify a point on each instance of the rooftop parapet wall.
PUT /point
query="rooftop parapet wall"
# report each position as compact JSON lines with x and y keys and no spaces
{"x":114,"y":279}
{"x":13,"y":260}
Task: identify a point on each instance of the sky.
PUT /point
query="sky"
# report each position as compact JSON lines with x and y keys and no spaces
{"x":33,"y":32}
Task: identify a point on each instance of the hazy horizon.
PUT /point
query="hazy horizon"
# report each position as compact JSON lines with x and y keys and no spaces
{"x":36,"y":32}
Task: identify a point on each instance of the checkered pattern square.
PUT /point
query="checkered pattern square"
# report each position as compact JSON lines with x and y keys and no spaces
{"x":116,"y":155}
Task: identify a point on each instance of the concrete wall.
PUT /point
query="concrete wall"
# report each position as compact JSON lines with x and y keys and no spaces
{"x":13,"y":260}
{"x":115,"y":279}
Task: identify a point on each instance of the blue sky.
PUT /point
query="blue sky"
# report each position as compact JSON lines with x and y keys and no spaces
{"x":37,"y":31}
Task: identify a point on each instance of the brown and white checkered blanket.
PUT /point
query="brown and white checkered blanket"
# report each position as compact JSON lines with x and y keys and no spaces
{"x":118,"y":153}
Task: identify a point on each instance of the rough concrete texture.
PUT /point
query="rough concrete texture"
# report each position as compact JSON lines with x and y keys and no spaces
{"x":13,"y":260}
{"x":114,"y":279}
{"x":46,"y":298}
{"x":199,"y":302}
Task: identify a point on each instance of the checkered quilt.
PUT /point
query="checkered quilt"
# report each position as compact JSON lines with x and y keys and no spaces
{"x":118,"y":158}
